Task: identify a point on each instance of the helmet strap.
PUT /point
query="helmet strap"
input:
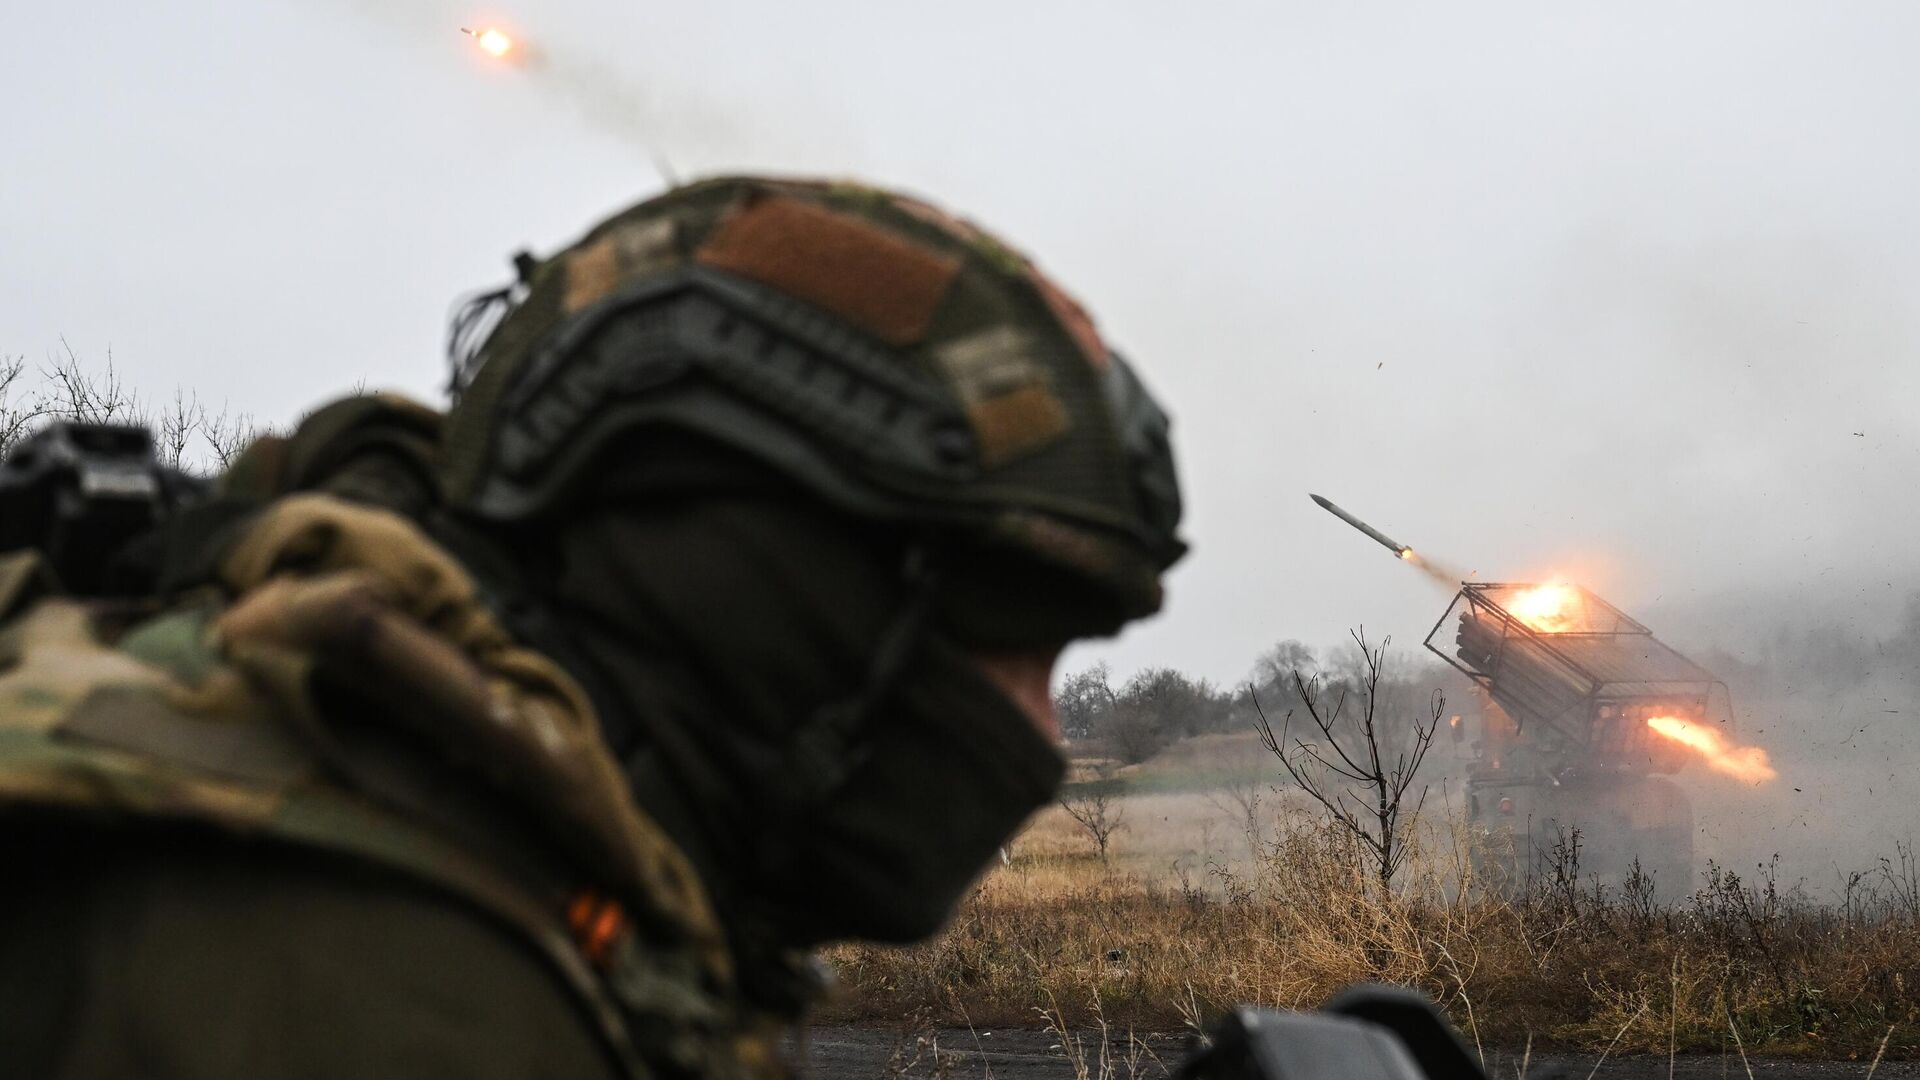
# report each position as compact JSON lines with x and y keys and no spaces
{"x":825,"y":750}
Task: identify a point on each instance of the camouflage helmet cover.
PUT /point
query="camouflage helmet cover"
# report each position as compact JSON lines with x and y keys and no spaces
{"x":900,"y":362}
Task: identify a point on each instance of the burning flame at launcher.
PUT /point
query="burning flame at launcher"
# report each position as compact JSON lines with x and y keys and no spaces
{"x":1559,"y":608}
{"x":1748,"y":763}
{"x":1554,"y":608}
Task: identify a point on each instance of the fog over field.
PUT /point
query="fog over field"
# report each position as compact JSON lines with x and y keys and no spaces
{"x":1621,"y":293}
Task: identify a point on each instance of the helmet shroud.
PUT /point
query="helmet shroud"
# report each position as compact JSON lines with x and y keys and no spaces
{"x":899,"y":363}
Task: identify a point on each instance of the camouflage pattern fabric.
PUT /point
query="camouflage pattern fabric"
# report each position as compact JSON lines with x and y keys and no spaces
{"x":203,"y":714}
{"x":322,"y":580}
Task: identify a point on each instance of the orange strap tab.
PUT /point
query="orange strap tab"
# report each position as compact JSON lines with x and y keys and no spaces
{"x":598,"y":924}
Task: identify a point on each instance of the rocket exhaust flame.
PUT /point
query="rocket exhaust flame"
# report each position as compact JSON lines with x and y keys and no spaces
{"x":495,"y":42}
{"x":1748,"y":763}
{"x":492,"y":41}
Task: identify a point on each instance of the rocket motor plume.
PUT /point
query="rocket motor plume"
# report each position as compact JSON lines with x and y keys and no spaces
{"x":494,"y":42}
{"x":1749,"y":763}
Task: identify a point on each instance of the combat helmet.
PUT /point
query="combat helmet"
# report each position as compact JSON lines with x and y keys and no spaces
{"x":902,"y":364}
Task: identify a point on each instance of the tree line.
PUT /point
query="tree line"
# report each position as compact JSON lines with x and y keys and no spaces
{"x":1138,"y":717}
{"x":187,"y":434}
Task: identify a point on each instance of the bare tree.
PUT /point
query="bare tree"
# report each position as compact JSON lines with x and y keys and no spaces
{"x":1083,"y":700}
{"x":89,"y":397}
{"x":18,"y":413}
{"x":1131,"y":720}
{"x":1157,"y":706}
{"x":1273,"y":671}
{"x":1354,"y":767}
{"x":227,"y":434}
{"x":1180,"y":706}
{"x":1098,"y":812}
{"x":176,"y":427}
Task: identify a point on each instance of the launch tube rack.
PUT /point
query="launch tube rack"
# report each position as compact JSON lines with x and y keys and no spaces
{"x":1594,"y":683}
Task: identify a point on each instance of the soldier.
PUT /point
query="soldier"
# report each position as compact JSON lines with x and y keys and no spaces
{"x":714,"y":623}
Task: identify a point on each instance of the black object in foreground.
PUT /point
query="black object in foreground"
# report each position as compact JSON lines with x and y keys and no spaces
{"x":79,"y":492}
{"x":1365,"y":1033}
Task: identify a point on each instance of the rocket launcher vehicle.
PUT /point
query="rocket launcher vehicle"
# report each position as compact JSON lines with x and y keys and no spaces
{"x":1582,"y":678}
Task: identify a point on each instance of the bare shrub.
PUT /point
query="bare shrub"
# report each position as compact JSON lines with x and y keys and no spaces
{"x":1354,"y":767}
{"x":1098,"y":812}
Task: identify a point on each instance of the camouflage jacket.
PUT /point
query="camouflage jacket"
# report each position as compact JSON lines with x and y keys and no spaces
{"x":205,"y":709}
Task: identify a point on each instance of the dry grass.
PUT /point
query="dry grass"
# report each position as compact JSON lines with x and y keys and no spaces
{"x":1165,"y":938}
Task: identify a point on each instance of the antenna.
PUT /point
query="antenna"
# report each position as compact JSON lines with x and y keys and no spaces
{"x":662,"y":165}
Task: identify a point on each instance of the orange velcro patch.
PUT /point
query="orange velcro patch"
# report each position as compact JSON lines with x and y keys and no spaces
{"x":881,"y":283}
{"x":1016,"y":424}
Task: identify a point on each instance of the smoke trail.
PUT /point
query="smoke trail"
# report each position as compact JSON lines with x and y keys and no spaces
{"x":608,"y":100}
{"x":1441,"y":573}
{"x":671,"y":125}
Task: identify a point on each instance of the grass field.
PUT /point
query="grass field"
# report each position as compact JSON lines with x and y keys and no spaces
{"x":1203,"y":905}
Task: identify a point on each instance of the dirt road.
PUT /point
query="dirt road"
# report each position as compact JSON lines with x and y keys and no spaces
{"x":858,"y":1053}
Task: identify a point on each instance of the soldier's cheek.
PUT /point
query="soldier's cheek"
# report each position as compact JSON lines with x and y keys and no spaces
{"x":1026,"y":678}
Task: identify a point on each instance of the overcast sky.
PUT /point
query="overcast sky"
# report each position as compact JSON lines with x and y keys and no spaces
{"x":1621,"y":292}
